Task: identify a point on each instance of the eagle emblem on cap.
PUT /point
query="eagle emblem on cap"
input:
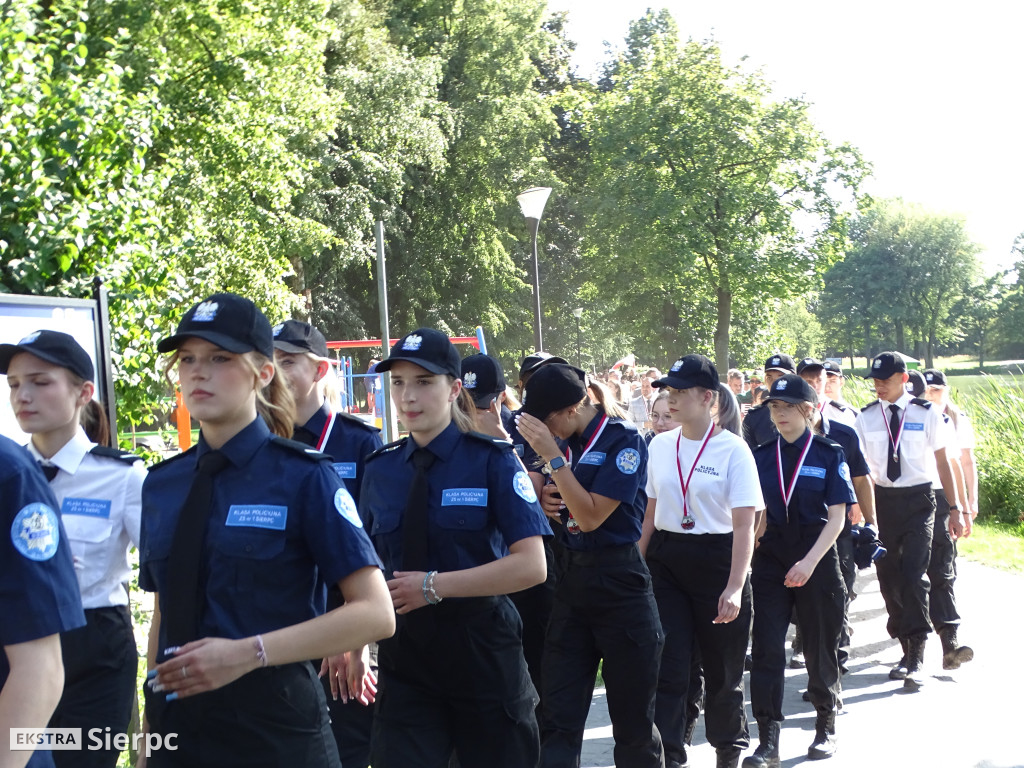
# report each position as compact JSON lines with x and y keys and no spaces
{"x":469,"y":380}
{"x":206,"y":311}
{"x":781,"y":385}
{"x":413,"y":342}
{"x":878,"y":363}
{"x":776,"y":360}
{"x":676,"y":365}
{"x":277,"y":329}
{"x":928,"y":377}
{"x":30,"y":338}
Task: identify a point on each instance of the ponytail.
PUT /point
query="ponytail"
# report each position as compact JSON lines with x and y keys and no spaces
{"x":728,"y":417}
{"x":603,"y":398}
{"x":94,"y":421}
{"x":463,"y":410}
{"x":274,"y":402}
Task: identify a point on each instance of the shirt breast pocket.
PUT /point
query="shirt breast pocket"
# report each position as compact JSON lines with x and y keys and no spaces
{"x":913,"y":443}
{"x":385,"y":521}
{"x":250,"y":558}
{"x":462,"y":518}
{"x":87,"y":536}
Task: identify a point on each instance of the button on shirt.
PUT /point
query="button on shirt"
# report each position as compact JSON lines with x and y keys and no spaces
{"x":38,"y":590}
{"x":348,"y":444}
{"x":725,"y":479}
{"x":614,"y":467}
{"x":923,"y":434}
{"x":282,"y":525}
{"x":481,"y":501}
{"x":100,"y":501}
{"x":824,"y":479}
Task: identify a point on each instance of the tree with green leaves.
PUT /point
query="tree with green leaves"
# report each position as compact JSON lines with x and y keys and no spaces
{"x":706,"y":191}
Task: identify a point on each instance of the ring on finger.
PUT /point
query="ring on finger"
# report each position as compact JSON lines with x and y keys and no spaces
{"x":184,"y":671}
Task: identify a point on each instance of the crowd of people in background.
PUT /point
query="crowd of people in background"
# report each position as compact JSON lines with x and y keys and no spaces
{"x":456,"y":591}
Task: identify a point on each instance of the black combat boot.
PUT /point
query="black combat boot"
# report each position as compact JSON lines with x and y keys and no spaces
{"x":953,"y":654}
{"x":824,"y":744}
{"x":767,"y":753}
{"x":915,"y":663}
{"x":727,"y":757}
{"x":899,"y":672}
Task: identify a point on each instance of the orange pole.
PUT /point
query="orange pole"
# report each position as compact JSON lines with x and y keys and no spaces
{"x":184,"y":422}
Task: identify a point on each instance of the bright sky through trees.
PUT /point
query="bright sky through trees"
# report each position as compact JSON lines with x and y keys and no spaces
{"x":930,"y":92}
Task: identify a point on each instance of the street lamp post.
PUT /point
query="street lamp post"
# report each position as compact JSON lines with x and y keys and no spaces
{"x":578,"y":313}
{"x":532,"y":202}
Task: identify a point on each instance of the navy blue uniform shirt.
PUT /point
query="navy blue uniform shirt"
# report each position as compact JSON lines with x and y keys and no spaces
{"x":824,"y":479}
{"x":38,"y":590}
{"x":282,"y":525}
{"x":480,"y":500}
{"x":847,"y":438}
{"x":350,"y":441}
{"x":524,"y":450}
{"x":615,"y":467}
{"x":758,"y":427}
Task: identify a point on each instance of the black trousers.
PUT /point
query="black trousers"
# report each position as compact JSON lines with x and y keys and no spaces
{"x":819,"y":605}
{"x":942,"y":569}
{"x":453,"y":682}
{"x":101,"y":662}
{"x":534,"y":607}
{"x":848,"y":568}
{"x":690,"y":572}
{"x":275,"y":717}
{"x":906,"y":517}
{"x":604,"y":609}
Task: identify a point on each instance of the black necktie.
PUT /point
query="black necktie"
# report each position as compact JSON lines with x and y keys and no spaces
{"x":303,"y":435}
{"x":415,"y":545}
{"x":49,"y":470}
{"x":892,"y":469}
{"x":790,"y":457}
{"x":184,"y":601}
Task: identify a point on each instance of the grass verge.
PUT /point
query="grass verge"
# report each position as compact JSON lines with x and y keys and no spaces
{"x":997,"y":545}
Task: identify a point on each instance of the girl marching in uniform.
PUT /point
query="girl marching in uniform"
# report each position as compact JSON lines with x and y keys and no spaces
{"x":604,"y":607}
{"x":806,"y":487}
{"x":456,"y":522}
{"x":99,"y":491}
{"x":240,"y":535}
{"x":698,"y":537}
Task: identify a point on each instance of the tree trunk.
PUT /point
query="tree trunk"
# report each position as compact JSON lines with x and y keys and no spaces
{"x":981,"y":349}
{"x":722,"y":331}
{"x":929,"y":359}
{"x":901,"y":337}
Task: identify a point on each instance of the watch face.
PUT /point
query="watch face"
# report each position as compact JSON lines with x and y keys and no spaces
{"x":557,"y":462}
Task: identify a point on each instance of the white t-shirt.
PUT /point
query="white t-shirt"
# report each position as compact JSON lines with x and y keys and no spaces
{"x":725,"y":478}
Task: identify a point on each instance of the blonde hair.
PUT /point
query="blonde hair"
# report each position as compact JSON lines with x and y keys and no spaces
{"x":806,"y":409}
{"x":463,"y":409}
{"x":604,"y":398}
{"x":274,"y":402}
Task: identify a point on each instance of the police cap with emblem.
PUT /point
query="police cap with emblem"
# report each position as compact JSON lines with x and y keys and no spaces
{"x":885,"y":365}
{"x":532,"y":362}
{"x":483,"y":378}
{"x":780,"y":362}
{"x":832,"y":368}
{"x":297,"y":337}
{"x":552,"y":388}
{"x":934,"y":378}
{"x":689,"y":371}
{"x":915,"y":383}
{"x":791,"y":389}
{"x":52,"y":347}
{"x":809,"y":364}
{"x":429,"y":349}
{"x":230,"y":321}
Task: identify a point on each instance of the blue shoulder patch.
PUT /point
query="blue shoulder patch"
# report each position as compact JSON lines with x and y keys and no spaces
{"x":628,"y":461}
{"x":35,"y":532}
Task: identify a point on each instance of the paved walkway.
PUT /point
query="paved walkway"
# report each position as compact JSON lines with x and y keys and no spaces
{"x":968,"y":718}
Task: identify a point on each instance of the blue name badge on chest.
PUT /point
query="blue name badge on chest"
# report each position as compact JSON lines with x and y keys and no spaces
{"x":464,"y":497}
{"x":806,"y":471}
{"x":86,"y":507}
{"x":914,"y":426}
{"x":267,"y":516}
{"x":346,"y":470}
{"x":594,"y":457}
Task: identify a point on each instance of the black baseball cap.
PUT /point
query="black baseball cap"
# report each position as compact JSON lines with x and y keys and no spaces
{"x":915,"y":383}
{"x":552,"y":388}
{"x":230,"y":321}
{"x":53,"y":347}
{"x":483,"y":378}
{"x":791,"y":389}
{"x":885,"y":365}
{"x":689,"y":371}
{"x":532,"y":362}
{"x":296,"y":337}
{"x":429,"y":349}
{"x":935,"y":378}
{"x":832,"y":368}
{"x":809,"y":363}
{"x":780,"y":362}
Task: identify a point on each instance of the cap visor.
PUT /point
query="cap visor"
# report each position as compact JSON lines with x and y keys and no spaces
{"x":786,"y":399}
{"x":427,"y":365}
{"x":484,"y":401}
{"x":292,"y":349}
{"x":675,"y":383}
{"x":9,"y":351}
{"x":545,"y":361}
{"x":224,"y":342}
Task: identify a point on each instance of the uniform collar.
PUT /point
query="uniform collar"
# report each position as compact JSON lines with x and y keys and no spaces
{"x":69,"y":458}
{"x":243,"y":446}
{"x":797,"y":444}
{"x":824,"y":422}
{"x":317,"y":420}
{"x":441,"y":446}
{"x":901,"y":402}
{"x":588,"y":432}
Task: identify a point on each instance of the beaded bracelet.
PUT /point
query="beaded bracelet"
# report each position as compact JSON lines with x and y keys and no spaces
{"x":261,"y":652}
{"x":429,"y":593}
